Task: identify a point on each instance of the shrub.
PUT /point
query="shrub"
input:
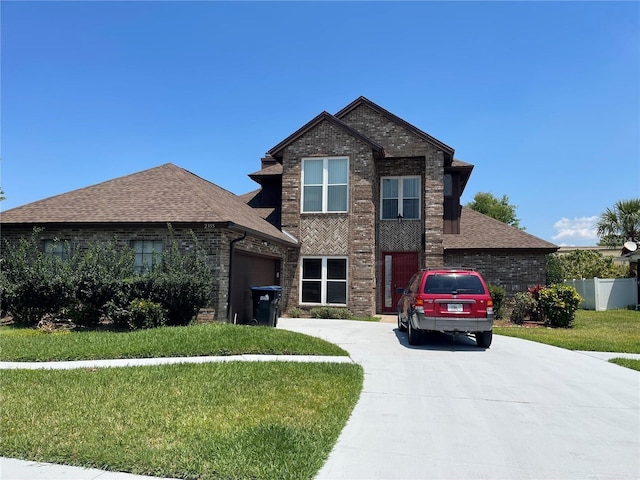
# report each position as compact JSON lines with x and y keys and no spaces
{"x":33,"y":284}
{"x":584,"y":264}
{"x":559,"y":304}
{"x":524,"y":306}
{"x":181,"y":283}
{"x":100,"y":274}
{"x":497,"y":295}
{"x":330,"y":312}
{"x":296,"y":312}
{"x":140,"y":313}
{"x":99,"y":283}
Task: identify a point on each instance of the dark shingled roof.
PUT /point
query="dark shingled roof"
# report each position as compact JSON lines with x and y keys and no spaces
{"x":270,"y":171}
{"x":480,"y":232}
{"x":164,"y":194}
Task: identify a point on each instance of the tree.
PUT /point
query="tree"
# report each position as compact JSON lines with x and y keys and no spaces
{"x":500,"y":209}
{"x":620,"y":223}
{"x":583,"y":264}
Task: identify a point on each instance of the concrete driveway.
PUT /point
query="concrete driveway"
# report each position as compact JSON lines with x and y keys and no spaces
{"x":449,"y":410}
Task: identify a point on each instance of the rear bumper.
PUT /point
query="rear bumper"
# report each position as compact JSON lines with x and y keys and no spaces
{"x":451,"y":324}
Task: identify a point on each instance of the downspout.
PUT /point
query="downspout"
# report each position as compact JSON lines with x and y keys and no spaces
{"x":231,"y":246}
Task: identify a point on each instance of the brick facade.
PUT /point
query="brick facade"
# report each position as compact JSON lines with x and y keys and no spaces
{"x":215,"y":241}
{"x":360,"y":234}
{"x":514,"y":271}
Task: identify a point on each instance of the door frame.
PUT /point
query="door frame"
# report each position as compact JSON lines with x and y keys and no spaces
{"x":402,"y":264}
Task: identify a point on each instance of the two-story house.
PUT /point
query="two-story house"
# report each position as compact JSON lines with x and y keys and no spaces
{"x":371,"y":199}
{"x":350,"y":206}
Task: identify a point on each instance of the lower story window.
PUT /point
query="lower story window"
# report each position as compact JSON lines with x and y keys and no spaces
{"x":324,"y":280}
{"x":148,"y":254}
{"x":56,"y":248}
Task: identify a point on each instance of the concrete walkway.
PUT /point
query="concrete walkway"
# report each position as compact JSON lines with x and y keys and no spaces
{"x":445,"y":409}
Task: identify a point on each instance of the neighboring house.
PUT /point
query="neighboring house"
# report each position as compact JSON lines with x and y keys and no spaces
{"x":350,"y":206}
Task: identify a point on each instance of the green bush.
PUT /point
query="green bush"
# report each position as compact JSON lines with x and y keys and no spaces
{"x":99,"y":283}
{"x":583,"y":264}
{"x":330,"y":312}
{"x":559,"y":304}
{"x":497,"y":295}
{"x":181,"y":283}
{"x":296,"y":312}
{"x":524,"y":306}
{"x":32,"y":283}
{"x":142,"y":313}
{"x":100,"y":273}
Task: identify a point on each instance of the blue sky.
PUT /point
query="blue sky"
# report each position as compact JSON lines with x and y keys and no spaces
{"x":542,"y":97}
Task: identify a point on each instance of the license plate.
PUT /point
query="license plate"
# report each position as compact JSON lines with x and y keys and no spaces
{"x":454,"y":307}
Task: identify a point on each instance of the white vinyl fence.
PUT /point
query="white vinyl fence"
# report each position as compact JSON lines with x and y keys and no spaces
{"x":606,"y":293}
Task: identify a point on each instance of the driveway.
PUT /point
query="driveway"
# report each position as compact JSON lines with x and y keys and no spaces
{"x":449,"y":410}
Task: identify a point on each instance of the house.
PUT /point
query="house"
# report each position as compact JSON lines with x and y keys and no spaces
{"x":371,"y":199}
{"x":349,"y":207}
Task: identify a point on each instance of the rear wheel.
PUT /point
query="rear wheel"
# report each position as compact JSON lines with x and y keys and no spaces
{"x":414,"y":335}
{"x":483,"y":339}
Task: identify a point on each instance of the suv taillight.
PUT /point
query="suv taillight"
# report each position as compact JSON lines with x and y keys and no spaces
{"x":419,"y":306}
{"x":490,"y":306}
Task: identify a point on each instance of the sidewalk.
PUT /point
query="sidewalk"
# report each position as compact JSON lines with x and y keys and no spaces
{"x":13,"y":469}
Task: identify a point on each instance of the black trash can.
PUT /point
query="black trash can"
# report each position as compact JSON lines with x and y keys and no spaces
{"x":265,"y":304}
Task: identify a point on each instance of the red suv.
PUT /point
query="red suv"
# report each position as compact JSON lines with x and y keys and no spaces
{"x":447,"y":300}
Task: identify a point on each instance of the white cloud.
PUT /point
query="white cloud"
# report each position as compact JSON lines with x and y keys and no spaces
{"x":577,"y":231}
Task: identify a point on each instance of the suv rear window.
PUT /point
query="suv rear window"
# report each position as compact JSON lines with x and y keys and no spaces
{"x":451,"y":282}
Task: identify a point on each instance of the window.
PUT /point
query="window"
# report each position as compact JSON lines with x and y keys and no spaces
{"x":148,"y":254}
{"x":325,"y":185}
{"x":400,"y":197}
{"x":324,"y":280}
{"x":56,"y":248}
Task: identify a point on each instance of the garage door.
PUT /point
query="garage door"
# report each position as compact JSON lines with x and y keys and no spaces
{"x":250,"y":271}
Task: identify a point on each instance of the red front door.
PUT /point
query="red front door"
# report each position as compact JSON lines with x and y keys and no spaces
{"x":397,"y":269}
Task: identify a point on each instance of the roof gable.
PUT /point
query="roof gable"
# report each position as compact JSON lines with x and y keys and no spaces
{"x":395,"y":119}
{"x":481,"y":232}
{"x":164,"y":194}
{"x":277,"y":151}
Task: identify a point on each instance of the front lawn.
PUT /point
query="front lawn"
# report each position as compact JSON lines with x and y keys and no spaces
{"x":238,"y":420}
{"x":28,"y":344}
{"x":608,"y":331}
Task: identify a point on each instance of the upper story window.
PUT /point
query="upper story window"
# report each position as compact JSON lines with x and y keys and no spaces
{"x":325,"y":184}
{"x":148,"y":254}
{"x":400,"y":198}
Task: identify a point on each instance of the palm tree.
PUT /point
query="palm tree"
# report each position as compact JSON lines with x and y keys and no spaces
{"x":620,"y":224}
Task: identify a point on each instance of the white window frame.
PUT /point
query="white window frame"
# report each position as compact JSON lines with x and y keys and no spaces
{"x":324,"y":280}
{"x":325,"y":185}
{"x":401,"y":197}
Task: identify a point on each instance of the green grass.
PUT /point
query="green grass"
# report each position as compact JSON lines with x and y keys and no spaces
{"x":608,"y":331}
{"x":237,"y":420}
{"x":627,"y":362}
{"x":22,"y":344}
